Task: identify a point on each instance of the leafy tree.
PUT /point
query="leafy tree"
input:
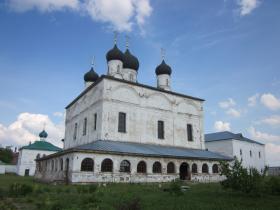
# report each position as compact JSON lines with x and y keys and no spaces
{"x":242,"y":179}
{"x":6,"y":155}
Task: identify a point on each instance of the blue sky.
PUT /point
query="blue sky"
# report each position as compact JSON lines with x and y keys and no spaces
{"x":225,"y":51}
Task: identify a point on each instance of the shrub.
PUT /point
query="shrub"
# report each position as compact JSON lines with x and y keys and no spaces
{"x":273,"y":185}
{"x":17,"y":189}
{"x":242,"y":179}
{"x":175,"y":187}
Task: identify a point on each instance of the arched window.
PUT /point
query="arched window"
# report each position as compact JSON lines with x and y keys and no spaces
{"x":107,"y":165}
{"x":194,"y":168}
{"x":87,"y":164}
{"x":61,"y":164}
{"x":170,"y":168}
{"x":125,"y":166}
{"x":38,"y":156}
{"x":204,"y":168}
{"x":141,"y":167}
{"x":215,"y":169}
{"x":157,"y":167}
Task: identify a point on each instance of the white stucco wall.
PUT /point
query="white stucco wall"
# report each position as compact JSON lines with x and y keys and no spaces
{"x":26,"y":160}
{"x":232,"y":148}
{"x":78,"y":176}
{"x":248,"y":161}
{"x":143,"y":108}
{"x":2,"y":169}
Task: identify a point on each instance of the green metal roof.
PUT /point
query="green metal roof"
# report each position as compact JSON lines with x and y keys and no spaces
{"x":42,"y":145}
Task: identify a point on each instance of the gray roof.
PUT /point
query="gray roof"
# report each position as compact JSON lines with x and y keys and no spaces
{"x":149,"y":150}
{"x":226,"y":135}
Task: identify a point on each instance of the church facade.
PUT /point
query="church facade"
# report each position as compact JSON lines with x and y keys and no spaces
{"x":119,"y":130}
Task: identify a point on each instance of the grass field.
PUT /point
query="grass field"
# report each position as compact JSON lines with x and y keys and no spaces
{"x":127,"y":197}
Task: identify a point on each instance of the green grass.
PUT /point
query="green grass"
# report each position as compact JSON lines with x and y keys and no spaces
{"x":116,"y":196}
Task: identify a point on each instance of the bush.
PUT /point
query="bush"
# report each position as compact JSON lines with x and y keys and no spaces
{"x":17,"y":189}
{"x":242,"y":179}
{"x":273,"y":185}
{"x":175,"y":187}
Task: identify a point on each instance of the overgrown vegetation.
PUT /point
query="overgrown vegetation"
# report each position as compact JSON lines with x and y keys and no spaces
{"x":25,"y":194}
{"x":6,"y":155}
{"x":249,"y":181}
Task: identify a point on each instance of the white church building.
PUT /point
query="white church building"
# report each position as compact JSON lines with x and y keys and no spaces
{"x":251,"y":153}
{"x":26,"y":164}
{"x":119,"y":130}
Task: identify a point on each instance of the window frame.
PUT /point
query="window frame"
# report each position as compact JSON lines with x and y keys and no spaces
{"x":172,"y":165}
{"x":122,"y":122}
{"x":95,"y":121}
{"x":142,"y":168}
{"x":87,"y":165}
{"x":75,"y":131}
{"x":125,"y":166}
{"x":157,"y":168}
{"x":85,"y":127}
{"x":107,"y":165}
{"x":190,"y":132}
{"x":160,"y":129}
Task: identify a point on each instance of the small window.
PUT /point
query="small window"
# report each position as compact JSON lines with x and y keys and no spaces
{"x":52,"y":165}
{"x":107,"y":165}
{"x":240,"y":152}
{"x":215,"y":169}
{"x":87,"y":164}
{"x":141,"y":167}
{"x":157,"y":167}
{"x":95,"y":121}
{"x":118,"y":69}
{"x":75,"y":131}
{"x":170,"y":168}
{"x":125,"y":166}
{"x":160,"y":129}
{"x":122,"y":122}
{"x":167,"y":83}
{"x":205,"y":168}
{"x":190,"y":132}
{"x":85,"y":127}
{"x":259,"y":154}
{"x":250,"y":153}
{"x":194,"y":168}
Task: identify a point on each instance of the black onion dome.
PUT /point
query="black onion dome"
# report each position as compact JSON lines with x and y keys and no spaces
{"x":43,"y":134}
{"x":91,"y":76}
{"x":130,"y":61}
{"x":114,"y":54}
{"x":163,"y":68}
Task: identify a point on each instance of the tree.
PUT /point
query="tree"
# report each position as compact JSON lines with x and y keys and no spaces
{"x":6,"y":155}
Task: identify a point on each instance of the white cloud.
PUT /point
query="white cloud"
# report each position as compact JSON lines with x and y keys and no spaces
{"x":222,"y":126}
{"x":121,"y":15}
{"x":233,"y":112}
{"x":252,"y":101}
{"x":247,"y":6}
{"x":58,"y":114}
{"x":270,"y":101}
{"x":42,"y":5}
{"x":27,"y":127}
{"x":272,"y":152}
{"x":227,"y":103}
{"x":262,"y":136}
{"x":272,"y":120}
